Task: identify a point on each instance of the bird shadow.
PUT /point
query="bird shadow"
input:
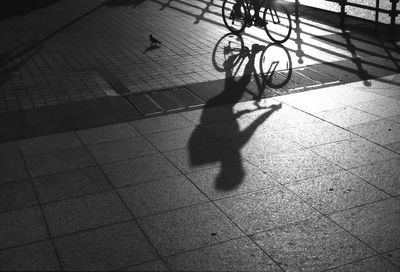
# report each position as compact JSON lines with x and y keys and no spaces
{"x":151,"y":48}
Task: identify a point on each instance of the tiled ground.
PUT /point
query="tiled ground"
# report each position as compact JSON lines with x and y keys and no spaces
{"x":311,"y":184}
{"x":299,"y":190}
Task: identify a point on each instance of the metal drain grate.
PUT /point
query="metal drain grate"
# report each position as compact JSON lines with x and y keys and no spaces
{"x":186,"y":97}
{"x":165,"y":101}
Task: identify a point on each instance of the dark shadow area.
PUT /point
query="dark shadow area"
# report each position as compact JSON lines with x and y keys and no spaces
{"x":202,"y":149}
{"x":37,"y":44}
{"x":11,"y":8}
{"x":362,"y":73}
{"x":122,"y":3}
{"x":65,"y":118}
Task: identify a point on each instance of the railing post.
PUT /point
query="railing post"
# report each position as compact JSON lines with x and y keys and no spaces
{"x":298,"y":40}
{"x":377,"y":6}
{"x":393,"y":14}
{"x":342,"y":4}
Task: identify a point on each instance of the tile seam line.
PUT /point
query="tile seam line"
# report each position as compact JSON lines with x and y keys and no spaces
{"x":74,"y":233}
{"x":99,"y":192}
{"x":349,"y":172}
{"x":43,"y":217}
{"x":83,"y":147}
{"x":360,"y":206}
{"x":57,"y":201}
{"x":355,"y":261}
{"x":54,"y":33}
{"x":147,"y":238}
{"x":26,"y":244}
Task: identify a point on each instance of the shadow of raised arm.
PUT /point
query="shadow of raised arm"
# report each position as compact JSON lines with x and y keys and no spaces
{"x":246,"y":134}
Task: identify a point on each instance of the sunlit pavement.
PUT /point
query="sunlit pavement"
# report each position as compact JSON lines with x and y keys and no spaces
{"x":305,"y":179}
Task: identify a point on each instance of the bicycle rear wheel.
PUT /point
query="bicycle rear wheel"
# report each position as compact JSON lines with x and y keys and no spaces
{"x":227,"y":52}
{"x":234,"y":15}
{"x":278,"y":24}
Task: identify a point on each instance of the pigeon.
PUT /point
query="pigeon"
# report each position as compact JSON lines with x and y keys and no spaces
{"x":154,"y":41}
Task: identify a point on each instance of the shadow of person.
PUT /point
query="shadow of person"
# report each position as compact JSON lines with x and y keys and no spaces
{"x":202,"y":151}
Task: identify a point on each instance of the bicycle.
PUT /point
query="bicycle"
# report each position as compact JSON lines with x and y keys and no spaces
{"x":231,"y":54}
{"x":238,"y":14}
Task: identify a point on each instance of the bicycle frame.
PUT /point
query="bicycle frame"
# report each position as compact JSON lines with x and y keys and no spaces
{"x":261,"y":81}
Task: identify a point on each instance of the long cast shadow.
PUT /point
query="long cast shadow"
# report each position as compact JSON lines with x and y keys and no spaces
{"x":232,"y":173}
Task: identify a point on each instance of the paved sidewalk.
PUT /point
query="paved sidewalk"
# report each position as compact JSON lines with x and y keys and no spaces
{"x":302,"y":182}
{"x":118,"y":156}
{"x":100,"y":48}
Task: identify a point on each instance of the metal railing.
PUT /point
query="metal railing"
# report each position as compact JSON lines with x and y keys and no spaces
{"x":393,"y":12}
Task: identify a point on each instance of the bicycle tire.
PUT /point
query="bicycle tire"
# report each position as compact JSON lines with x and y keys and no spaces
{"x":223,"y":67}
{"x":286,"y":65}
{"x":227,"y":13}
{"x":284,"y":22}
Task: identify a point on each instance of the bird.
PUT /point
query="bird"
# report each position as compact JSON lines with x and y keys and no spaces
{"x":154,"y":41}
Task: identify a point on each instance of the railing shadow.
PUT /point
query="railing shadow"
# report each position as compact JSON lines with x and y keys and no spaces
{"x":11,"y":60}
{"x":356,"y":45}
{"x":203,"y":12}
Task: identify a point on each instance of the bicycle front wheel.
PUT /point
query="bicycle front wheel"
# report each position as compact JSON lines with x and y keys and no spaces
{"x":276,"y":58}
{"x":234,"y":15}
{"x":278,"y":24}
